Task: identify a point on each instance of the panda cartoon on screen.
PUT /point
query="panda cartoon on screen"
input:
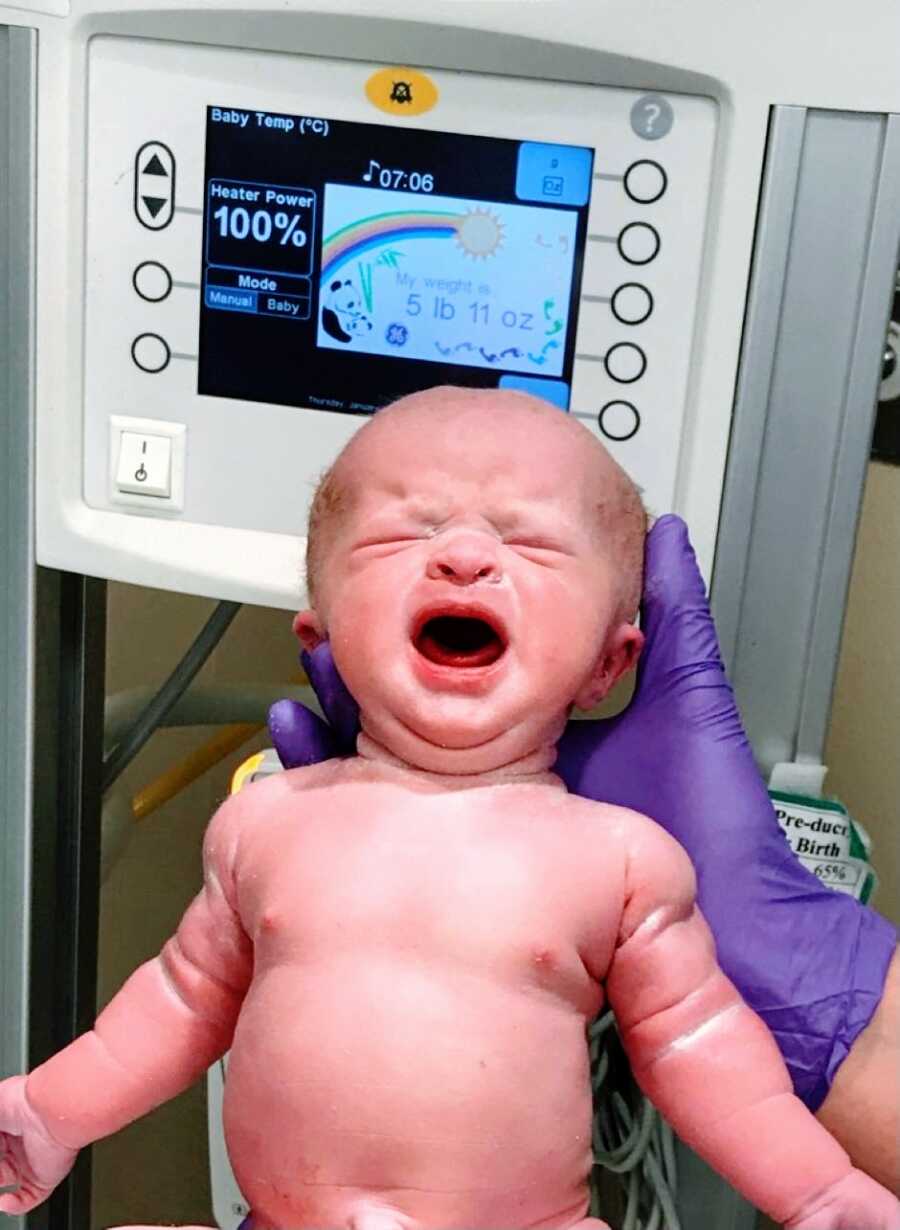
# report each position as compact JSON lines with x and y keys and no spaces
{"x":342,"y":315}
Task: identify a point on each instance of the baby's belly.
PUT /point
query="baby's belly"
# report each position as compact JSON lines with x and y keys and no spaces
{"x":457,"y":1101}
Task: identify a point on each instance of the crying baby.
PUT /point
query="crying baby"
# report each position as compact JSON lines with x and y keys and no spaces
{"x":403,"y":948}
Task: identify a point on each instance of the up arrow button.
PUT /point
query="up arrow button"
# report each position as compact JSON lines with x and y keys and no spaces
{"x":154,"y":198}
{"x":155,"y":167}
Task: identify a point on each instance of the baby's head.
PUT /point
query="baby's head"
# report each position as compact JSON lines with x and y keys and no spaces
{"x":475,"y":559}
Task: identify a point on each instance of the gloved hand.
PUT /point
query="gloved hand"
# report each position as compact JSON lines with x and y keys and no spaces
{"x":811,"y":961}
{"x":30,"y":1159}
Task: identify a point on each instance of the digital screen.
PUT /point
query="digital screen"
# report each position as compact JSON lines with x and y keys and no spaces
{"x":347,"y":264}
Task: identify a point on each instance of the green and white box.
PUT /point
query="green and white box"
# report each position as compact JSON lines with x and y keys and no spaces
{"x":827,"y":841}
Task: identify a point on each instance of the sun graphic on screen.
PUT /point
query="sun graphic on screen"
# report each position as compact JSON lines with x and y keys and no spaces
{"x":479,"y":234}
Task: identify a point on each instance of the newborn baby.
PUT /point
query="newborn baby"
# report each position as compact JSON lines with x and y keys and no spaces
{"x":403,"y":949}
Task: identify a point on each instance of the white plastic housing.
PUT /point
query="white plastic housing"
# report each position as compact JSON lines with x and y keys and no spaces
{"x":112,"y":77}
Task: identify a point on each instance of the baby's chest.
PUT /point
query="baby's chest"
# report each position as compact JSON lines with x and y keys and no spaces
{"x":479,"y":889}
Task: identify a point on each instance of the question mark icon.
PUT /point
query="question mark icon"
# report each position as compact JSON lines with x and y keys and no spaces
{"x":651,"y":117}
{"x":653,"y":112}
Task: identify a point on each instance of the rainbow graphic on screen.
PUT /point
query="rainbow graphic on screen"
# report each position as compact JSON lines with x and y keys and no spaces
{"x":478,"y":232}
{"x":447,"y":280}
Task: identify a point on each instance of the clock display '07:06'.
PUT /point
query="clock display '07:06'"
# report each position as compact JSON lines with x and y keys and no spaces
{"x":395,"y":177}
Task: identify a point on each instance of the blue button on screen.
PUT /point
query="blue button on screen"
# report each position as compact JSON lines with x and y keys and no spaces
{"x":557,"y":174}
{"x":554,"y":391}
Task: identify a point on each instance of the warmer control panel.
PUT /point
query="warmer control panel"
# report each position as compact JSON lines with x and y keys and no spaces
{"x":279,"y":245}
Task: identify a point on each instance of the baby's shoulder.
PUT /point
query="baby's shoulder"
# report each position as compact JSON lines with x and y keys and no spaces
{"x":259,"y":801}
{"x":615,"y":819}
{"x":640,"y":836}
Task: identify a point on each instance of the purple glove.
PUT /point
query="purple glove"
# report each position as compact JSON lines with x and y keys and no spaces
{"x":812,"y":962}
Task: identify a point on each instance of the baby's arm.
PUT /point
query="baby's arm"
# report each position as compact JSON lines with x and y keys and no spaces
{"x":709,"y":1063}
{"x":173,"y":1018}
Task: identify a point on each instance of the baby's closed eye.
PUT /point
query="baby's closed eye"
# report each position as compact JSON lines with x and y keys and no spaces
{"x":541,"y":550}
{"x":388,"y":541}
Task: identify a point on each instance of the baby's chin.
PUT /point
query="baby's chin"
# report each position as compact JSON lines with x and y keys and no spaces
{"x":463,"y":748}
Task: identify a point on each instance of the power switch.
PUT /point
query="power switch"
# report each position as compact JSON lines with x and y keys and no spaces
{"x":145,"y":464}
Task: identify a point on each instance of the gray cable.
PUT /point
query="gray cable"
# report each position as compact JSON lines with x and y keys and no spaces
{"x":204,"y":704}
{"x":177,"y":683}
{"x":635,"y":1144}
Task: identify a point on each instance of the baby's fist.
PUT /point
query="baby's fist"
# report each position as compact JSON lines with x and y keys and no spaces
{"x":856,"y":1202}
{"x":31,"y":1161}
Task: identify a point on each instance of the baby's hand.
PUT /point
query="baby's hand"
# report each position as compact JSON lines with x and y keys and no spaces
{"x":856,"y":1202}
{"x":30,"y":1159}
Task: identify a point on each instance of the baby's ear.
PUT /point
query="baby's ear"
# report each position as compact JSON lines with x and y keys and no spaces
{"x":309,"y":630}
{"x":619,"y":655}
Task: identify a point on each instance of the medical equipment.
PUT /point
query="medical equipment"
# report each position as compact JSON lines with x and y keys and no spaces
{"x":723,"y":298}
{"x":307,"y":268}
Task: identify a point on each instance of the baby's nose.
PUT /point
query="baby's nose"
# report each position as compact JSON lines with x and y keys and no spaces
{"x":464,"y":559}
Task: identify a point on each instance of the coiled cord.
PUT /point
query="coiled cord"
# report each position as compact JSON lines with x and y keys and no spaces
{"x":631,"y":1140}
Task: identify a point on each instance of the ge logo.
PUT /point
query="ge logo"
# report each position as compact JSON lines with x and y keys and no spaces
{"x":396,"y":335}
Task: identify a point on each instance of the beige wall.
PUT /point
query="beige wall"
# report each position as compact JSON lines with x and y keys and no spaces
{"x":863,"y":752}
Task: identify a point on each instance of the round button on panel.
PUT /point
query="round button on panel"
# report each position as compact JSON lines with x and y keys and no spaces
{"x":619,"y":420}
{"x":652,"y":117}
{"x":625,"y":362}
{"x":638,"y":243}
{"x":632,"y":303}
{"x":152,"y":281}
{"x":150,"y":352}
{"x":645,"y":181}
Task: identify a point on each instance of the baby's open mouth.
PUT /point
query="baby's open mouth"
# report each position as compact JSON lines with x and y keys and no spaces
{"x":459,"y":640}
